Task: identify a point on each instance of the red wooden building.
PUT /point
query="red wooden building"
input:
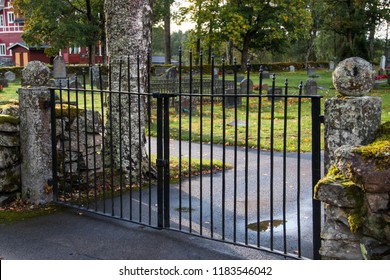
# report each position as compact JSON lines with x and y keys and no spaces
{"x":13,"y":51}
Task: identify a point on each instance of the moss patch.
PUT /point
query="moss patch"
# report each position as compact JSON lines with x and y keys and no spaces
{"x":353,"y":192}
{"x":69,"y":111}
{"x":379,"y":150}
{"x":9,"y":119}
{"x":15,"y":213}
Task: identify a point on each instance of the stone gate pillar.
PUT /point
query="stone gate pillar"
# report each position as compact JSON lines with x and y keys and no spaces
{"x":35,"y":133}
{"x":351,"y":118}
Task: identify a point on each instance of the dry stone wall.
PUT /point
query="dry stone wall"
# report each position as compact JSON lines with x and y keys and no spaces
{"x":356,"y":189}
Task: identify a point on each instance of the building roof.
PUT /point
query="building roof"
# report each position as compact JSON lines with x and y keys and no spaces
{"x":24,"y":45}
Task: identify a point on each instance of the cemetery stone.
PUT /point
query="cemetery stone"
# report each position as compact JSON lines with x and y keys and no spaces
{"x":59,"y":67}
{"x":292,"y":68}
{"x":310,"y":87}
{"x":383,"y":62}
{"x":231,"y":101}
{"x":75,"y":83}
{"x":244,"y":87}
{"x":187,"y":102}
{"x":10,"y":76}
{"x":331,"y":65}
{"x":215,"y":72}
{"x":3,"y":82}
{"x":171,"y":73}
{"x":276,"y":91}
{"x":266,"y":75}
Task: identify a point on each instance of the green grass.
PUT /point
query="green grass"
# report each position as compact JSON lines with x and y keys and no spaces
{"x":16,"y":213}
{"x":215,"y":120}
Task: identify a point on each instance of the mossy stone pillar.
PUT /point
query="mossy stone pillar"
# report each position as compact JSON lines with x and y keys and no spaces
{"x":35,"y":133}
{"x":351,"y":118}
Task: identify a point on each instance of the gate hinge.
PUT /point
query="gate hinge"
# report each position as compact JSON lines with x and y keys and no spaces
{"x":322,"y":119}
{"x":161,"y":162}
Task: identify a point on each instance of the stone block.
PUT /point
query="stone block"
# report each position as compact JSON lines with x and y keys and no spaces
{"x":335,"y":230}
{"x":10,"y":76}
{"x":377,"y":226}
{"x":89,"y":121}
{"x":9,"y":140}
{"x":340,"y":250}
{"x":337,"y":214}
{"x":10,"y":179}
{"x":9,"y":124}
{"x":350,"y":122}
{"x":334,"y":193}
{"x":36,"y":73}
{"x":372,"y":249}
{"x":9,"y":156}
{"x":354,"y":77}
{"x":378,"y":201}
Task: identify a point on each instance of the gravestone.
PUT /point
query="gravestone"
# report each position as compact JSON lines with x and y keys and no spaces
{"x":310,"y":87}
{"x":311,"y":71}
{"x":188,"y":105}
{"x":331,"y":65}
{"x":240,"y":78}
{"x":383,"y":62}
{"x":59,"y":67}
{"x":59,"y":72}
{"x":244,"y":87}
{"x":292,"y":68}
{"x":266,"y":75}
{"x":277,"y":91}
{"x":10,"y":76}
{"x":3,"y":82}
{"x":96,"y":76}
{"x":231,"y":101}
{"x":75,"y":83}
{"x":215,"y":73}
{"x":171,"y":73}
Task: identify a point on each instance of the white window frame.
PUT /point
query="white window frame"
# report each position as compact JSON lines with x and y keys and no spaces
{"x":11,"y":17}
{"x":3,"y":50}
{"x":9,"y":50}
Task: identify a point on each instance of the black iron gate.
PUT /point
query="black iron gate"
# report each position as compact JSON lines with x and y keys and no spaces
{"x":224,"y":159}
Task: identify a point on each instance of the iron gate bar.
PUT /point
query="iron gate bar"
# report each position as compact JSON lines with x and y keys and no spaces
{"x":316,"y":176}
{"x":218,"y":206}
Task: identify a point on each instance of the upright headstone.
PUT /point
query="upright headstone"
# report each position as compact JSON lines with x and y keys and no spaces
{"x":272,"y":92}
{"x":266,"y":75}
{"x":311,"y":71}
{"x":232,"y":100}
{"x":59,"y":67}
{"x":171,"y":73}
{"x":331,"y":65}
{"x":244,"y":87}
{"x":383,"y":62}
{"x":292,"y":68}
{"x":59,"y":71}
{"x":10,"y":76}
{"x":215,"y":73}
{"x":310,"y":87}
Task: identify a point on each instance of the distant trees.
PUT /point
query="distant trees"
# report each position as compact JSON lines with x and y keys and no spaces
{"x":62,"y":23}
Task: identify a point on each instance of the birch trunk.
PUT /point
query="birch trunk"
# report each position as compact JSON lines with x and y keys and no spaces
{"x":128,"y":31}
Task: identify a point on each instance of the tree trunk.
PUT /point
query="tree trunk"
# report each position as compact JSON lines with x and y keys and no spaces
{"x":245,"y":53}
{"x":167,"y":32}
{"x":128,"y":31}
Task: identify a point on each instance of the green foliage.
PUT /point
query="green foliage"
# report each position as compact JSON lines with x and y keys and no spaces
{"x":61,"y":23}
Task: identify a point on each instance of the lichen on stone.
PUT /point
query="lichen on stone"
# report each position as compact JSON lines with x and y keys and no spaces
{"x":9,"y":119}
{"x":379,"y":150}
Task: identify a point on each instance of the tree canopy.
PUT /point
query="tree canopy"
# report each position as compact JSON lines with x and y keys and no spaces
{"x":61,"y":23}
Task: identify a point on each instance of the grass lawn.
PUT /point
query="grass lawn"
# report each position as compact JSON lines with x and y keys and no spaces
{"x":214,"y":117}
